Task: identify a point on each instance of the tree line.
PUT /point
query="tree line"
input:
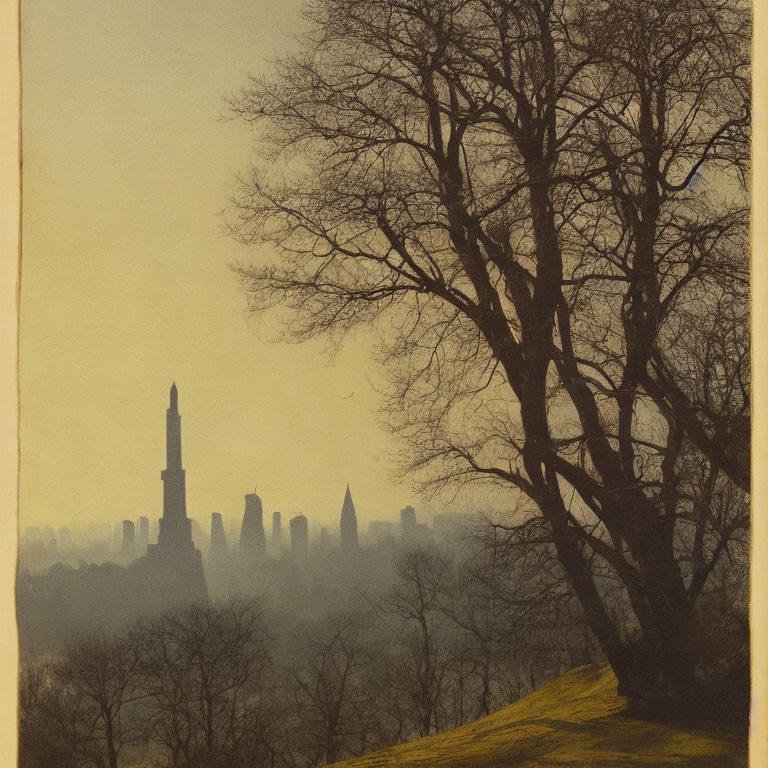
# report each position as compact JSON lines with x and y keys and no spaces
{"x":453,"y":637}
{"x":235,"y":683}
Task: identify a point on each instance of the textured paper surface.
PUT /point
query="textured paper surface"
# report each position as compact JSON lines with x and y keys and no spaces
{"x":9,"y":211}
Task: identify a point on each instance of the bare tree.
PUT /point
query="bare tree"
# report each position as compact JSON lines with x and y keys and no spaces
{"x":506,"y":190}
{"x":332,"y":699}
{"x":412,"y":612}
{"x":512,"y":602}
{"x":201,"y":671}
{"x":102,"y":672}
{"x":56,"y":725}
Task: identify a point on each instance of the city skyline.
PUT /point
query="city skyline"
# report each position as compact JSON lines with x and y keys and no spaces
{"x":232,"y":518}
{"x":127,"y":285}
{"x":171,"y":555}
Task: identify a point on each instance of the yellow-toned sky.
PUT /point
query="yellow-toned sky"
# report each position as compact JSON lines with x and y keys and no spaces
{"x":126,"y":287}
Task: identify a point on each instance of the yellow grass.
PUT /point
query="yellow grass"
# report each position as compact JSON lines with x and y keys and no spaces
{"x":578,"y":720}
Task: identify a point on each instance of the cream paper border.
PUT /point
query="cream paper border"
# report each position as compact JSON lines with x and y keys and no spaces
{"x":10,"y":186}
{"x":10,"y":183}
{"x":758,"y":748}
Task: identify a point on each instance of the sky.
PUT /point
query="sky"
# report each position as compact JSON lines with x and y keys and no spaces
{"x":129,"y":158}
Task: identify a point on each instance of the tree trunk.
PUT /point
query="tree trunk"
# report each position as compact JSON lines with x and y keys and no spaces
{"x":110,"y":739}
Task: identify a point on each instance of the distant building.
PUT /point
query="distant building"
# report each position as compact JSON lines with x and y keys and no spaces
{"x":117,"y":537}
{"x":323,"y":541}
{"x":142,"y":534}
{"x":408,"y":523}
{"x":65,"y":538}
{"x":129,"y":539}
{"x":219,"y":547}
{"x":276,"y":532}
{"x":422,"y":532}
{"x":299,"y":528}
{"x":253,"y":543}
{"x":174,"y":565}
{"x":411,"y":531}
{"x":348,"y":523}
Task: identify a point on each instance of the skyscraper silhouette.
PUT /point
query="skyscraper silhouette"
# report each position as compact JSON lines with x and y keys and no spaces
{"x":143,"y":534}
{"x":276,"y":531}
{"x":175,"y":526}
{"x":408,"y":523}
{"x":299,"y":527}
{"x":129,"y":539}
{"x":175,"y":565}
{"x":253,"y":543}
{"x":219,"y":546}
{"x":348,"y":524}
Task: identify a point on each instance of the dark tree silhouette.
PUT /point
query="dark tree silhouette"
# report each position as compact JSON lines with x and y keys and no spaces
{"x":332,"y":698}
{"x":201,"y":672}
{"x":412,"y":611}
{"x":100,"y":673}
{"x":541,"y":206}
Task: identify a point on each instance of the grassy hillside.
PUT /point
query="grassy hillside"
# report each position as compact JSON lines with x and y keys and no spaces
{"x":577,"y":720}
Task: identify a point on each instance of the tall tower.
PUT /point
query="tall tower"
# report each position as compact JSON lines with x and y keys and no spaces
{"x":276,"y":532}
{"x":299,"y":528}
{"x":253,"y":543}
{"x":129,"y":539}
{"x":408,"y":523}
{"x":348,"y":524}
{"x":175,"y":526}
{"x":175,"y":566}
{"x":219,"y":546}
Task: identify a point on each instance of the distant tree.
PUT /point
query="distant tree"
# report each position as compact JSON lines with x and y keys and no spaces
{"x":202,"y":671}
{"x":99,"y":674}
{"x":411,"y":611}
{"x":332,"y":702}
{"x":56,"y":726}
{"x":509,"y":191}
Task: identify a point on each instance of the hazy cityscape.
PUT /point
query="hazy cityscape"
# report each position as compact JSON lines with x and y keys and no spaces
{"x":385,"y":384}
{"x":127,"y":540}
{"x":415,"y":613}
{"x":249,"y":539}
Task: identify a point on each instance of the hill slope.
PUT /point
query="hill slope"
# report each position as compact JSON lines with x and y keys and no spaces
{"x":577,"y":720}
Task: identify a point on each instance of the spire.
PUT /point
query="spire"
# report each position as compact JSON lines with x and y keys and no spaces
{"x":348,"y":522}
{"x":173,"y":431}
{"x":174,"y":565}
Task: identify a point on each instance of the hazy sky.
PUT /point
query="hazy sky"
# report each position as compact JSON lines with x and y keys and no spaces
{"x":126,"y":287}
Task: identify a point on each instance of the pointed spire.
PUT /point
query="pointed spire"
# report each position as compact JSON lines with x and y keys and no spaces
{"x":348,"y":522}
{"x":173,"y":431}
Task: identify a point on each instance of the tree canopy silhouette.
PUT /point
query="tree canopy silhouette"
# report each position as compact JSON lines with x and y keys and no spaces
{"x":542,"y":206}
